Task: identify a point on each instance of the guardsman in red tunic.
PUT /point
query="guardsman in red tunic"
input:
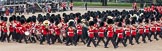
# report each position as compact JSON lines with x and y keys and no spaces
{"x":0,"y":28}
{"x":96,"y":31}
{"x":32,"y":28}
{"x":110,"y":33}
{"x":70,"y":33}
{"x":91,"y":34}
{"x":63,"y":31}
{"x":101,"y":33}
{"x":11,"y":29}
{"x":158,"y":28}
{"x":153,"y":28}
{"x":51,"y":36}
{"x":22,"y":34}
{"x":141,"y":30}
{"x":128,"y":32}
{"x":4,"y":29}
{"x":147,"y":30}
{"x":4,"y":34}
{"x":79,"y":31}
{"x":119,"y":31}
{"x":45,"y":31}
{"x":57,"y":32}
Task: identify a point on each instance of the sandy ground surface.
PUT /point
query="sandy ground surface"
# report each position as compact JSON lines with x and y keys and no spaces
{"x":13,"y":46}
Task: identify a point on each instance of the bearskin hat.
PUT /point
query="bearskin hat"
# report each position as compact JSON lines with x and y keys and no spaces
{"x":29,"y":19}
{"x":101,"y":24}
{"x":14,"y":17}
{"x":71,"y":23}
{"x":152,"y":19}
{"x":33,"y":18}
{"x":11,"y":19}
{"x":22,"y":20}
{"x":18,"y":18}
{"x":140,"y":20}
{"x":64,"y":14}
{"x":5,"y":19}
{"x":110,"y":21}
{"x":91,"y":23}
{"x":79,"y":21}
{"x":57,"y":22}
{"x":146,"y":20}
{"x":127,"y":21}
{"x":120,"y":24}
{"x":1,"y":18}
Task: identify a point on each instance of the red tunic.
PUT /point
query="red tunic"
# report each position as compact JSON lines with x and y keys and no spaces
{"x":141,"y":30}
{"x":133,"y":31}
{"x":70,"y":32}
{"x":91,"y":33}
{"x":3,"y":23}
{"x":22,"y":30}
{"x":110,"y":32}
{"x":158,"y":28}
{"x":96,"y":30}
{"x":79,"y":29}
{"x":120,"y":33}
{"x":101,"y":32}
{"x":11,"y":28}
{"x":127,"y":32}
{"x":147,"y":29}
{"x":57,"y":30}
{"x":45,"y":31}
{"x":4,"y":30}
{"x":153,"y":29}
{"x":110,"y":28}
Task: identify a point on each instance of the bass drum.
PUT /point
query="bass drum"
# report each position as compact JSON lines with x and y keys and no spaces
{"x":27,"y":33}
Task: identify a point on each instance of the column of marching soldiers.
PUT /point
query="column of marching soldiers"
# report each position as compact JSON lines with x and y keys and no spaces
{"x":93,"y":26}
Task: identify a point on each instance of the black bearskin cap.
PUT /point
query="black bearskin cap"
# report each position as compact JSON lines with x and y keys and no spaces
{"x":101,"y":24}
{"x":91,"y":23}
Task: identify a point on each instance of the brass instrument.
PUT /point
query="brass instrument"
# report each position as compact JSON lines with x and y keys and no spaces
{"x":46,"y":23}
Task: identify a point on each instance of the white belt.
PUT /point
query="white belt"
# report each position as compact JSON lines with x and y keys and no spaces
{"x":79,"y":30}
{"x":100,"y":32}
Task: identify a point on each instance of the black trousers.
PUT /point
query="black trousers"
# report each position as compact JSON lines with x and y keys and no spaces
{"x":33,"y":38}
{"x":143,"y":37}
{"x":91,"y":40}
{"x":80,"y":37}
{"x":155,"y":35}
{"x":57,"y":37}
{"x":159,"y":33}
{"x":50,"y":38}
{"x":11,"y":34}
{"x":112,"y":40}
{"x":99,"y":40}
{"x":3,"y":36}
{"x":121,"y":40}
{"x":44,"y":37}
{"x":148,"y":36}
{"x":135,"y":37}
{"x":115,"y":37}
{"x":17,"y":36}
{"x":22,"y":36}
{"x":70,"y":40}
{"x":96,"y":36}
{"x":128,"y":38}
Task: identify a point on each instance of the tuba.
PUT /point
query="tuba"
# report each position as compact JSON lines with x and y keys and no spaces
{"x":46,"y":23}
